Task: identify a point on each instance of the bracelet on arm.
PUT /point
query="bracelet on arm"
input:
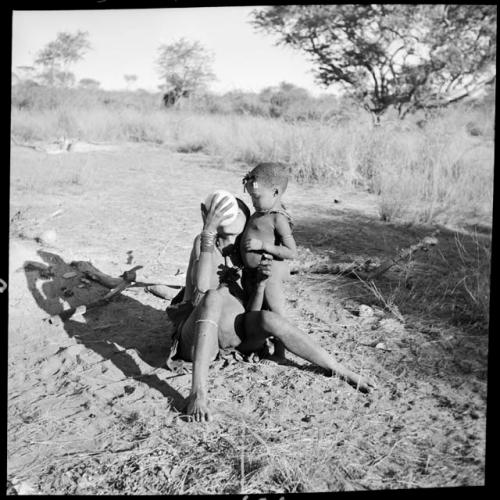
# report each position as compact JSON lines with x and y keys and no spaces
{"x":207,"y":239}
{"x":207,"y":321}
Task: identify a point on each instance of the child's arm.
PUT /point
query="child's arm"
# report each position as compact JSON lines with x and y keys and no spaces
{"x":288,"y":247}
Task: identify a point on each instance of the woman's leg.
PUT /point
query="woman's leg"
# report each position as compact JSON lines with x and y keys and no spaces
{"x":261,"y":324}
{"x":211,"y":324}
{"x":199,"y":344}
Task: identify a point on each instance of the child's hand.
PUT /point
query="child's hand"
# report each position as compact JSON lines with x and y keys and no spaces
{"x":265,"y":267}
{"x":252,"y":244}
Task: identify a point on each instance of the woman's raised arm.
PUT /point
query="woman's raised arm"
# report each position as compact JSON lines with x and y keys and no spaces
{"x":202,"y":266}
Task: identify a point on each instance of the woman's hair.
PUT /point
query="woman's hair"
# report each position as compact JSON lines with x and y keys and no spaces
{"x":243,"y":207}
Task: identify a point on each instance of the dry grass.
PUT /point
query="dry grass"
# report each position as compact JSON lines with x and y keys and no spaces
{"x":452,"y":282}
{"x":439,"y":173}
{"x":314,"y":151}
{"x":277,"y":431}
{"x":473,"y":273}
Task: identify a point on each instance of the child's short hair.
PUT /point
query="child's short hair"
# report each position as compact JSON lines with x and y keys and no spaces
{"x":270,"y":174}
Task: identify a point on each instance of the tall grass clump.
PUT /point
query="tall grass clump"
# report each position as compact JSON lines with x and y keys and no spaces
{"x":438,"y":172}
{"x":93,"y":124}
{"x":313,"y":151}
{"x":474,"y":275}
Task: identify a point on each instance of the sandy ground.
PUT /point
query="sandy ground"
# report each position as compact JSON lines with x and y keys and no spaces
{"x":90,"y":396}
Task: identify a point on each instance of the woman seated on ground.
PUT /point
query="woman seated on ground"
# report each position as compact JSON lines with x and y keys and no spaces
{"x":215,"y":314}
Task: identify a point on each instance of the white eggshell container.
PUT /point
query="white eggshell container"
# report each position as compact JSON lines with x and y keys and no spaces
{"x":233,"y":210}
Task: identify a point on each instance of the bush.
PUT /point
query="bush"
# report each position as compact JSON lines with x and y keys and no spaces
{"x":31,"y":96}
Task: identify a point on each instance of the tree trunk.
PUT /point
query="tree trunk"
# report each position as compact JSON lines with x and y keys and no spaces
{"x":375,"y":118}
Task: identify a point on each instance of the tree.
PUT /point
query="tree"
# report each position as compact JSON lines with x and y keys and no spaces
{"x":185,"y":66}
{"x":89,"y":83}
{"x":25,"y":72}
{"x":57,"y":56}
{"x":410,"y":56}
{"x":57,"y":77}
{"x":130,"y":80}
{"x":281,"y":98}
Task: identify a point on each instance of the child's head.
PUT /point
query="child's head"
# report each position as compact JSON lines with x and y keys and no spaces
{"x":266,"y":184}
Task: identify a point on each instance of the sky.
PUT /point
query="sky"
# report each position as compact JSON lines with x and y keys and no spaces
{"x":127,"y":41}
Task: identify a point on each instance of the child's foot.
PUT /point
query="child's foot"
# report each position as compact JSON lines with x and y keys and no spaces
{"x":273,"y":359}
{"x":266,"y":362}
{"x":253,"y":357}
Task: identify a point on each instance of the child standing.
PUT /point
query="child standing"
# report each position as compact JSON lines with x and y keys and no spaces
{"x":269,"y":230}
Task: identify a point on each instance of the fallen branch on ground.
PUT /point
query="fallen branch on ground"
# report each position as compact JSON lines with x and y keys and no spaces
{"x":108,"y":281}
{"x":345,"y":268}
{"x":367,"y":269}
{"x":424,"y":244}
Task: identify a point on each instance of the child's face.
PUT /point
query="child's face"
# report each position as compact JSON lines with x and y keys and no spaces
{"x":263,"y":197}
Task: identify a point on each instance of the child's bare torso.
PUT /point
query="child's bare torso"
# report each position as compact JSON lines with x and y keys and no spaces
{"x":262,"y":227}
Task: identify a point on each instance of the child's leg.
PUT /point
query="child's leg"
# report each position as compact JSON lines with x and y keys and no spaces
{"x":275,"y":301}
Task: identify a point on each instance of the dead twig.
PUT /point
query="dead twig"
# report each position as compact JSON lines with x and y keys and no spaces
{"x":424,"y":244}
{"x":378,"y":461}
{"x":367,"y":269}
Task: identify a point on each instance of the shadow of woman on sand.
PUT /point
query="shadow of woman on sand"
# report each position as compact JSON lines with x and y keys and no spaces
{"x":141,"y":331}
